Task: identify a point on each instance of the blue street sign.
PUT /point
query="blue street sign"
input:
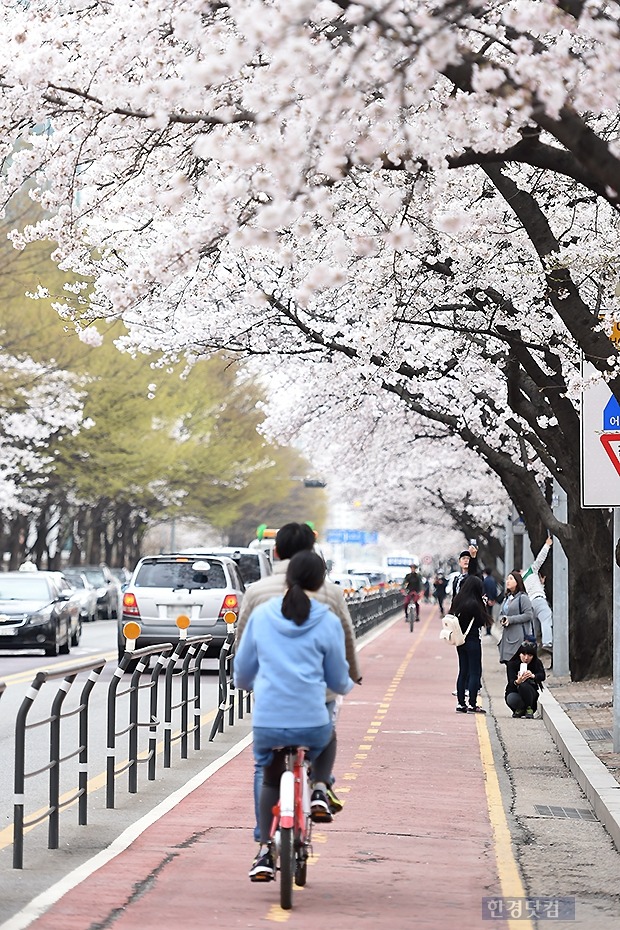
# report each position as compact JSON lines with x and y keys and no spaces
{"x":358,"y":537}
{"x":611,"y":414}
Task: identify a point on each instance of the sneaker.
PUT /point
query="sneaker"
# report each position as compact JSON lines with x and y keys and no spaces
{"x":518,"y":713}
{"x":263,"y":869}
{"x":477,"y":710}
{"x":335,"y":804}
{"x":319,"y":807}
{"x":461,"y":708}
{"x":547,"y":647}
{"x":529,"y":713}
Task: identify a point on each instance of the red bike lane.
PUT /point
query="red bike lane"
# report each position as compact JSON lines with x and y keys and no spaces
{"x":413,"y":847}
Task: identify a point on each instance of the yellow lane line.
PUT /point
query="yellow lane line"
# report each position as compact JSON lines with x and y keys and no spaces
{"x":92,"y":785}
{"x":275,"y":913}
{"x":507,"y":868}
{"x":18,"y":678}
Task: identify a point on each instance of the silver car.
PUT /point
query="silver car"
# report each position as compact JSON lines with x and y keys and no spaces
{"x":163,"y":587}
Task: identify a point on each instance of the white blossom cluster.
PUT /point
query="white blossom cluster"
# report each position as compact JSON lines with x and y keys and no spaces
{"x":292,"y":179}
{"x":39,"y":405}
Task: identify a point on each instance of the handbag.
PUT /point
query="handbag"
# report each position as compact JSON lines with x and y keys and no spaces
{"x":451,"y":631}
{"x":527,"y":637}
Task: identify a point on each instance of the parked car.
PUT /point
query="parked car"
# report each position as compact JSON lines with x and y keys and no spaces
{"x":253,"y":564}
{"x":37,"y":611}
{"x":85,"y":592}
{"x":350,"y":584}
{"x":108,"y":589}
{"x":122,"y":575}
{"x":163,"y":587}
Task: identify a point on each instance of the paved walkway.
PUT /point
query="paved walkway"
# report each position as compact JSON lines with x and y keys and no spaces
{"x":405,"y":852}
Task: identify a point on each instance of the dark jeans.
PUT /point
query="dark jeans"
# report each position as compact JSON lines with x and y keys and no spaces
{"x":470,"y":669}
{"x":526,"y":695}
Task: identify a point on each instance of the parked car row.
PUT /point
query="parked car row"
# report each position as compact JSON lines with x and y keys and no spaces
{"x":46,"y":609}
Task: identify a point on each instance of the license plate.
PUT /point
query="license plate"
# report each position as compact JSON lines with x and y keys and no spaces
{"x":178,"y":609}
{"x":7,"y":630}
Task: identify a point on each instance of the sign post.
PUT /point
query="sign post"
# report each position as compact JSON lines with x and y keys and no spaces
{"x":600,"y":487}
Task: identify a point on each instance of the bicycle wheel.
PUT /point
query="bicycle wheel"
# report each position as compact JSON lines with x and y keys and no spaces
{"x":287,"y":867}
{"x":302,"y":851}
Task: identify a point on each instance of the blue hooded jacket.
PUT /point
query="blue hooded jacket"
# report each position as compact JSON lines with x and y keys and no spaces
{"x":289,"y":666}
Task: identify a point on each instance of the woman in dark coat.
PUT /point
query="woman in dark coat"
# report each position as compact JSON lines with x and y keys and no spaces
{"x":469,"y":607}
{"x":524,"y":684}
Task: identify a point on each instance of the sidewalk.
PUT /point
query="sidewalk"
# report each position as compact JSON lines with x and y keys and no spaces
{"x":423,"y":837}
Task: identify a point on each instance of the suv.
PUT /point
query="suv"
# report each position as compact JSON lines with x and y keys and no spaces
{"x":253,"y":564}
{"x":163,"y":587}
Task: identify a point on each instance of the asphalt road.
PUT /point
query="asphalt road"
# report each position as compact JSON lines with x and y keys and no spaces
{"x":41,"y":865}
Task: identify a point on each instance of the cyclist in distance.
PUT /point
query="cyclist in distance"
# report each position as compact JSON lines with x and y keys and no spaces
{"x":291,"y":539}
{"x":412,"y":584}
{"x":292,"y":649}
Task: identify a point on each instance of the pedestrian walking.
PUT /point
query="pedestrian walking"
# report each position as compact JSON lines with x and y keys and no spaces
{"x":440,"y":584}
{"x":469,"y":607}
{"x":490,"y":591}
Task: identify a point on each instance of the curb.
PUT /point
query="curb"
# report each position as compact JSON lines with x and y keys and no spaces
{"x":600,"y":787}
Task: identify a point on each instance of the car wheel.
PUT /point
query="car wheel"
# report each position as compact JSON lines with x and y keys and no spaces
{"x":75,"y":639}
{"x":66,"y":646}
{"x":54,"y":649}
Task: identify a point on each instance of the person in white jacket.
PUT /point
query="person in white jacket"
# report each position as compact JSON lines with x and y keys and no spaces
{"x":533,"y":579}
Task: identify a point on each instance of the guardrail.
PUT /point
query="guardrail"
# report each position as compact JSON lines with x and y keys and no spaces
{"x":53,"y":766}
{"x":226,"y":688}
{"x":371,"y":610}
{"x":365,"y":613}
{"x":186,"y":649}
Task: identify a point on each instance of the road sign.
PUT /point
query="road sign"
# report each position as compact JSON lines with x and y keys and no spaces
{"x":359,"y":537}
{"x":600,"y":444}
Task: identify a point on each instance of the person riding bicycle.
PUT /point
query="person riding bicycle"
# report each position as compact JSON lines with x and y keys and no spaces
{"x":292,"y":538}
{"x":412,"y":585}
{"x":292,"y":649}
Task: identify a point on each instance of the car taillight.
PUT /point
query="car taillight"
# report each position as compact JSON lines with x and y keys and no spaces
{"x":130,"y":605}
{"x":230,"y":603}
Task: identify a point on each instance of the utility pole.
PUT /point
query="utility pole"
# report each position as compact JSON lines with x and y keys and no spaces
{"x":561,"y":665}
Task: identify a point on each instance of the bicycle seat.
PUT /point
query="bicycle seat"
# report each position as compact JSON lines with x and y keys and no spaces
{"x":289,"y":749}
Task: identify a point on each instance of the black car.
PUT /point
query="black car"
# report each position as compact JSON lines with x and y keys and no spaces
{"x":36,"y":612}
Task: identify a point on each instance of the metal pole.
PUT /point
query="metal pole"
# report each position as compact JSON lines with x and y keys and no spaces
{"x":561,"y":664}
{"x":509,"y":546}
{"x":616,"y":635}
{"x":528,"y":556}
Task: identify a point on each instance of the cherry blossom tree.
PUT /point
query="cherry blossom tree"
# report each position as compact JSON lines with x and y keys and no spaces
{"x":417,"y":198}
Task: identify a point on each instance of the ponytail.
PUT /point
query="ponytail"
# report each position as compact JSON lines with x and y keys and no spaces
{"x":306,"y":572}
{"x":296,"y":604}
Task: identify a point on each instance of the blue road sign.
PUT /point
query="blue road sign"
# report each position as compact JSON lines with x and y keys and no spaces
{"x":358,"y":537}
{"x":611,"y":414}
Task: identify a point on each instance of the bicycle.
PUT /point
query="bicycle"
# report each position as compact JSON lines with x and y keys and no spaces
{"x":291,"y":828}
{"x":412,"y":609}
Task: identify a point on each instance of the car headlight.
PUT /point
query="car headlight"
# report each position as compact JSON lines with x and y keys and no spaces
{"x":39,"y":618}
